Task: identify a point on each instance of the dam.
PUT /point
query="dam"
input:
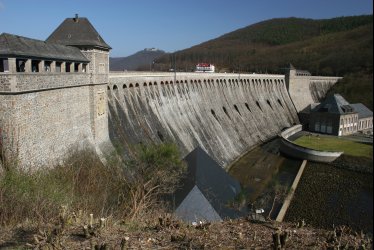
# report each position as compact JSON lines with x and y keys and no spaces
{"x":225,"y":114}
{"x":58,"y":96}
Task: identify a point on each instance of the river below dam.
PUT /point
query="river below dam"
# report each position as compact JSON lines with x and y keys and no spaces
{"x":265,"y":176}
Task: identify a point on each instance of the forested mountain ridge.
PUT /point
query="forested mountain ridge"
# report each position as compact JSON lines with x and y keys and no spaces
{"x":340,"y":46}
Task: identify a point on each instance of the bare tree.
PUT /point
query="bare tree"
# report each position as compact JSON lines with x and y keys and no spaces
{"x":154,"y":173}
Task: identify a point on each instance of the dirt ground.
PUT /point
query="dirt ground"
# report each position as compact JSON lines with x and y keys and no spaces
{"x":165,"y":233}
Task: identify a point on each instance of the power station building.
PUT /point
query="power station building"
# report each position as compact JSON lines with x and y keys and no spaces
{"x":336,"y":116}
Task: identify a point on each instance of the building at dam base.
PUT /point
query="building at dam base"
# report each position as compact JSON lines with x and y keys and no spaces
{"x":58,"y":96}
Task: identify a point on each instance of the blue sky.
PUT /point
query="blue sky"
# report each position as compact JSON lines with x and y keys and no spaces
{"x":132,"y":25}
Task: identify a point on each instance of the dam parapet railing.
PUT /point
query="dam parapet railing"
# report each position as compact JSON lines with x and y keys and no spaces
{"x":291,"y":149}
{"x":144,"y":79}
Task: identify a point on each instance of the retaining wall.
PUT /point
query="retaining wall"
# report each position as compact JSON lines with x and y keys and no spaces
{"x":291,"y":149}
{"x":44,"y":118}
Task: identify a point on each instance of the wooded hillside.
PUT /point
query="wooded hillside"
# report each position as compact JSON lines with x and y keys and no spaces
{"x":336,"y":47}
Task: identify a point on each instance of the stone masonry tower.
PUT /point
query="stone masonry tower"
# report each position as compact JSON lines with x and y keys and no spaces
{"x":80,"y":33}
{"x":53,"y":99}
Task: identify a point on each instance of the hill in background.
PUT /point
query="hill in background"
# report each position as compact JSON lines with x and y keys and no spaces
{"x":141,"y":60}
{"x":336,"y":47}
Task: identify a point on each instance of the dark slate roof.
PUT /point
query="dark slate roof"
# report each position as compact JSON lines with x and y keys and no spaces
{"x":334,"y":104}
{"x":77,"y":32}
{"x":18,"y":46}
{"x":218,"y":187}
{"x":362,"y":110}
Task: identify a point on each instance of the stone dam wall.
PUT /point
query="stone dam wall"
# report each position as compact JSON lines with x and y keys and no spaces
{"x":226,"y":114}
{"x":44,"y":118}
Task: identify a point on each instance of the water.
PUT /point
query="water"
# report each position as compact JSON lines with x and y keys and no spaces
{"x":265,"y":176}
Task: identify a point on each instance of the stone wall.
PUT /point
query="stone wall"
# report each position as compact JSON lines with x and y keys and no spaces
{"x":226,"y":114}
{"x":98,"y":66}
{"x":38,"y":128}
{"x":29,"y":82}
{"x":46,"y":115}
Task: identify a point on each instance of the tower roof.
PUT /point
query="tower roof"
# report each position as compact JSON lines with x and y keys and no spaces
{"x":77,"y":31}
{"x":19,"y":46}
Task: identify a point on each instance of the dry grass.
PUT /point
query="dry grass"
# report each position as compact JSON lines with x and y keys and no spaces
{"x":82,"y":183}
{"x":52,"y":209}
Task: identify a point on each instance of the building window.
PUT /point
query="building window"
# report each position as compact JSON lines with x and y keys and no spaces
{"x":84,"y":67}
{"x":329,"y":127}
{"x":47,"y":66}
{"x":35,"y":65}
{"x":317,"y":126}
{"x":21,"y":65}
{"x":58,"y":66}
{"x":4,"y":65}
{"x":67,"y":66}
{"x":76,"y":67}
